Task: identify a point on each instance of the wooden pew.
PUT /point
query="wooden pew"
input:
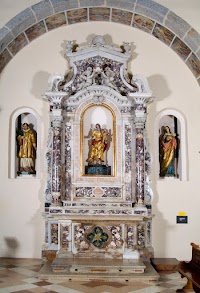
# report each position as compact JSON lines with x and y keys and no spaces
{"x":191,"y":271}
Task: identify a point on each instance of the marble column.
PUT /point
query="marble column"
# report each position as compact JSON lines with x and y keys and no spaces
{"x":140,"y":115}
{"x":55,"y":100}
{"x":139,"y":122}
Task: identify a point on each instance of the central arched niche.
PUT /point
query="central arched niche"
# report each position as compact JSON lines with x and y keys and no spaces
{"x":94,"y":146}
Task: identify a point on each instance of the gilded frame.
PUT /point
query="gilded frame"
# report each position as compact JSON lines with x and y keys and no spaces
{"x":82,"y":140}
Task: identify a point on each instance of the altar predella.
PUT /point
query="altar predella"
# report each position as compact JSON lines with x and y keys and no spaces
{"x":98,"y":197}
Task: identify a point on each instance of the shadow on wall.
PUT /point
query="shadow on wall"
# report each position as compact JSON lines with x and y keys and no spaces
{"x":159,"y":87}
{"x":161,"y":227}
{"x":12,"y":246}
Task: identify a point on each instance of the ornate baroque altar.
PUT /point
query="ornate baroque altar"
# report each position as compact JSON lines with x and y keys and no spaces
{"x":98,"y":196}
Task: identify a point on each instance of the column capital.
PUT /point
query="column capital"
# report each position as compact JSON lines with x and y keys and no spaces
{"x":141,"y":98}
{"x":55,"y":98}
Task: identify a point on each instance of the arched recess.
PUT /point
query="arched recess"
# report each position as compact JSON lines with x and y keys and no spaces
{"x":29,"y":116}
{"x":183,"y":155}
{"x":147,"y":15}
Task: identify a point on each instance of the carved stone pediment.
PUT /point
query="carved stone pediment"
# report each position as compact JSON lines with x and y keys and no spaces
{"x":98,"y":64}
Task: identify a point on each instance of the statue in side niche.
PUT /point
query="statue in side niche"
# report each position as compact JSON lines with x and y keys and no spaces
{"x":27,"y":149}
{"x":167,"y":147}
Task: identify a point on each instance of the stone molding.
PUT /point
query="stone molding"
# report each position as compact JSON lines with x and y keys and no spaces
{"x":146,"y":15}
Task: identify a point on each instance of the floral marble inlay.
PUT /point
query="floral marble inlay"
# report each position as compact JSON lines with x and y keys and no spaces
{"x":17,"y":44}
{"x":78,"y":15}
{"x":121,"y":16}
{"x":35,"y":31}
{"x":163,"y":34}
{"x":55,"y":21}
{"x":143,"y":23}
{"x":97,"y":237}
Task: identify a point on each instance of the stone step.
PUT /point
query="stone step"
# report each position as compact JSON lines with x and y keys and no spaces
{"x":98,"y":265}
{"x":149,"y":275}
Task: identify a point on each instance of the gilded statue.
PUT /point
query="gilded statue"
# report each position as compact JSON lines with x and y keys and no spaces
{"x":27,"y":148}
{"x":167,"y":148}
{"x":99,"y":144}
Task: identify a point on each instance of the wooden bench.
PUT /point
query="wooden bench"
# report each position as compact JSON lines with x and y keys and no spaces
{"x":191,"y":271}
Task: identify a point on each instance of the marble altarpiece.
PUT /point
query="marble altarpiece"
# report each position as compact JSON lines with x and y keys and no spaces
{"x":98,"y":196}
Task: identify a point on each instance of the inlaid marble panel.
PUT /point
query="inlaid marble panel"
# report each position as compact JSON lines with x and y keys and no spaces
{"x":148,"y":234}
{"x":55,"y":21}
{"x":106,"y":192}
{"x":99,"y":14}
{"x":124,"y":17}
{"x":130,"y":237}
{"x":17,"y":44}
{"x":35,"y":31}
{"x":116,"y":235}
{"x":163,"y":34}
{"x":54,"y":234}
{"x":65,"y":235}
{"x":80,"y":241}
{"x":78,"y":15}
{"x":181,"y":48}
{"x":141,"y":234}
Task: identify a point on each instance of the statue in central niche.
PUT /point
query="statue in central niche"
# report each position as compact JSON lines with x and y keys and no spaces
{"x":98,"y":147}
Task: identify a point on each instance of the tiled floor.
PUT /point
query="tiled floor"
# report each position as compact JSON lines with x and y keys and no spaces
{"x":20,"y":275}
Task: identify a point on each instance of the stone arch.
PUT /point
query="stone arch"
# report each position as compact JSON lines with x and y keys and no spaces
{"x":146,"y":15}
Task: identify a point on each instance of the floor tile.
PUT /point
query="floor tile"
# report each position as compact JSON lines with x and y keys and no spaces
{"x":20,"y":275}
